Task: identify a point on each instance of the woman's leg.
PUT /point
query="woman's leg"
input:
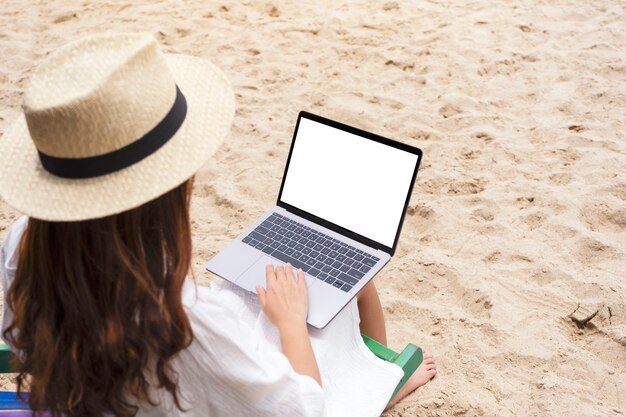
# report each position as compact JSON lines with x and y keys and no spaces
{"x":371,"y":312}
{"x":373,"y":325}
{"x":424,"y":373}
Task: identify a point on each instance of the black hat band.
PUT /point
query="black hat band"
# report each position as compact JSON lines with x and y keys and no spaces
{"x":94,"y":166}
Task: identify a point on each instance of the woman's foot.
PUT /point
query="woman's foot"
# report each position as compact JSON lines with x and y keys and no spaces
{"x":424,"y":373}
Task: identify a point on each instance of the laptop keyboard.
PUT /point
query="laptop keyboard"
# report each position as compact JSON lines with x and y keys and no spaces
{"x":319,"y":255}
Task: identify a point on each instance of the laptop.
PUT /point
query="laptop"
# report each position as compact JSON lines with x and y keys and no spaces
{"x":340,"y":208}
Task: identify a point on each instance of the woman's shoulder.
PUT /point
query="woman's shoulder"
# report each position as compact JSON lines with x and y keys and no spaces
{"x":11,"y":242}
{"x":8,"y":265}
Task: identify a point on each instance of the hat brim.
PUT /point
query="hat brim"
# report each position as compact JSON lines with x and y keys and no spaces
{"x":28,"y":187}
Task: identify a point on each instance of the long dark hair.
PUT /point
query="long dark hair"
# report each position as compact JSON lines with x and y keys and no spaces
{"x":97,"y":304}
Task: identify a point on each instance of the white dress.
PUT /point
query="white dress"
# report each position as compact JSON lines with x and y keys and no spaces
{"x":234,"y":366}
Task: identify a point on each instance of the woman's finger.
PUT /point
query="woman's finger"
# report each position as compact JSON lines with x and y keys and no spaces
{"x":289,"y":273}
{"x":280,"y":273}
{"x":301,"y":279}
{"x":279,"y":284}
{"x":269,"y":271}
{"x":260,"y":292}
{"x":270,"y":275}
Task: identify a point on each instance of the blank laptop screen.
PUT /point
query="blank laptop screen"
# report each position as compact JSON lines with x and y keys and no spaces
{"x":351,"y":181}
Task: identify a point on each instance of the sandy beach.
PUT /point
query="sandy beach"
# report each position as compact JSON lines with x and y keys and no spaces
{"x":516,"y":229}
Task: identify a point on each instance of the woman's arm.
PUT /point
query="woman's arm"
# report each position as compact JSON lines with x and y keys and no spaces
{"x":285,"y":303}
{"x":296,"y":346}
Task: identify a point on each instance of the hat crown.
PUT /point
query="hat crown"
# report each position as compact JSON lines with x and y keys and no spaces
{"x":98,"y":95}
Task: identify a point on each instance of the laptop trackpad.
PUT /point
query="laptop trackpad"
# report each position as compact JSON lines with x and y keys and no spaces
{"x":255,"y":275}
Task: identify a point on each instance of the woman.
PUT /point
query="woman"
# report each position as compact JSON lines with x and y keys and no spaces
{"x":97,"y":304}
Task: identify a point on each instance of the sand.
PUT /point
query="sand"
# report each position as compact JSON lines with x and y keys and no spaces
{"x":518,"y":216}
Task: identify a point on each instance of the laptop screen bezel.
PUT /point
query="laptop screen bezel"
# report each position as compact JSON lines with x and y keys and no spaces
{"x":332,"y":226}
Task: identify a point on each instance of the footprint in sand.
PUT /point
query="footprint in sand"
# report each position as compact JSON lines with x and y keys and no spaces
{"x":203,"y":191}
{"x":391,"y":6}
{"x":567,"y":156}
{"x":65,"y":17}
{"x":474,"y":186}
{"x":601,"y":217}
{"x":592,"y":251}
{"x":501,"y":67}
{"x":472,"y":300}
{"x":420,"y":210}
{"x":274,"y":12}
{"x":561,"y":178}
{"x":534,"y":220}
{"x":483,"y":215}
{"x":493,"y":257}
{"x":469,"y":154}
{"x":486,"y":137}
{"x":520,"y":258}
{"x":543,"y":276}
{"x":421,"y":217}
{"x":404,"y":66}
{"x":450,"y":110}
{"x":419,"y":135}
{"x":183,"y":32}
{"x":576,"y":128}
{"x":525,"y":202}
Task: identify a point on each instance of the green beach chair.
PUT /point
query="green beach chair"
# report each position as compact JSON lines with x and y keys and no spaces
{"x":409,"y":359}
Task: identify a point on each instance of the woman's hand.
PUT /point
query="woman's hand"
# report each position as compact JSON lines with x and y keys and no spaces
{"x":285,"y":303}
{"x":284,"y":300}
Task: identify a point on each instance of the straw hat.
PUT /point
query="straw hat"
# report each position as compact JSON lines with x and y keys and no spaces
{"x":110,"y":123}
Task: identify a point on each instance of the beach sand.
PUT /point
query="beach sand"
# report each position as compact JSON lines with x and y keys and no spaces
{"x":518,"y":216}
